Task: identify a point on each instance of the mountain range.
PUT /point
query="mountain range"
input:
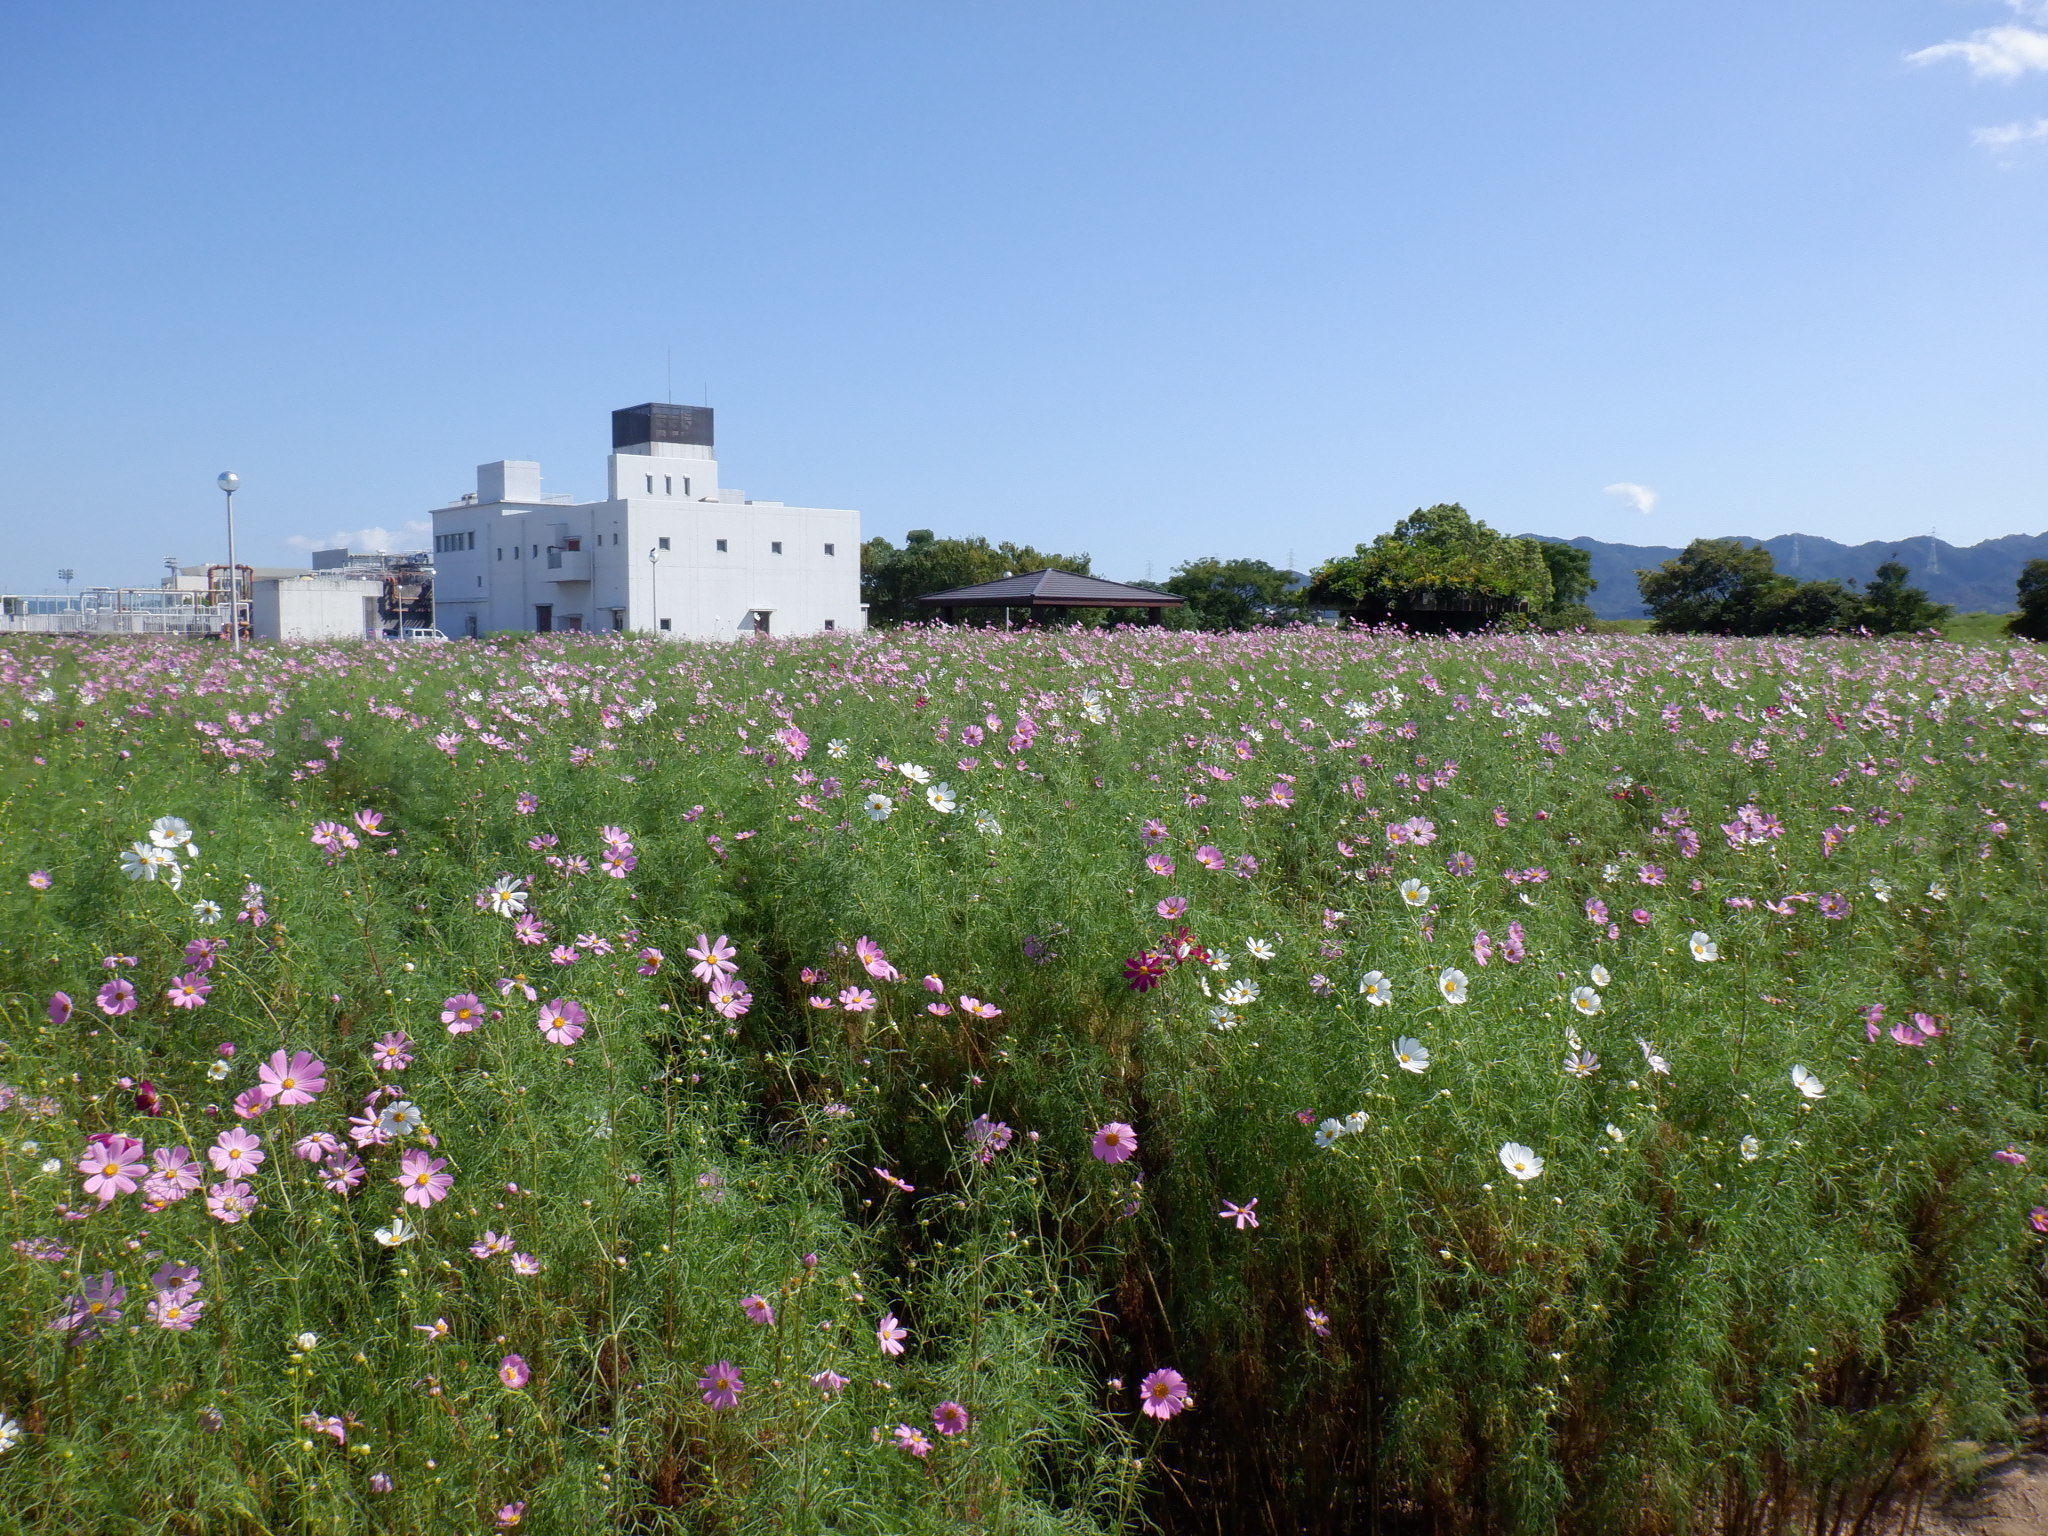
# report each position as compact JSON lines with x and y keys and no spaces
{"x":1971,"y":578}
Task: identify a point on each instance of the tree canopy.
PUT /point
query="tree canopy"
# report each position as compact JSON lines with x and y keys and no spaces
{"x":2031,"y":622}
{"x":1235,"y":594}
{"x":1727,"y":587}
{"x":1436,"y":558}
{"x":892,"y":579}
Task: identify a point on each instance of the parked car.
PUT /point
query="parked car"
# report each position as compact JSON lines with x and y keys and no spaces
{"x":425,"y":635}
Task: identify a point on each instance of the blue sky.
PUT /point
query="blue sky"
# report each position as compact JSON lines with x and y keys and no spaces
{"x":1148,"y":280}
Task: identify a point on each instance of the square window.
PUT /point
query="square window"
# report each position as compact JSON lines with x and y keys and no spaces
{"x":776,"y":547}
{"x":828,"y":550}
{"x":664,"y":623}
{"x":721,"y":546}
{"x":663,"y":543}
{"x":830,"y":625}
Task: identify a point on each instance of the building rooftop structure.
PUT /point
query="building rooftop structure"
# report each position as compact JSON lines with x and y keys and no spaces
{"x":1049,"y":590}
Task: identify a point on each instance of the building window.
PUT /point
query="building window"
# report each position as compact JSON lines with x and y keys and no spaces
{"x":469,"y":625}
{"x":663,"y":543}
{"x":830,"y":625}
{"x":479,"y":581}
{"x":515,"y":551}
{"x":668,"y":485}
{"x":501,"y":551}
{"x":759,"y":620}
{"x":775,"y":548}
{"x":544,"y":619}
{"x":686,"y":485}
{"x":721,"y":546}
{"x":664,"y":623}
{"x":572,"y":546}
{"x":650,"y":485}
{"x":829,"y":550}
{"x":536,"y":551}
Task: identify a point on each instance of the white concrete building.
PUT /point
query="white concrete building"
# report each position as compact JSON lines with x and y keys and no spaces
{"x":310,"y":606}
{"x":668,"y":551}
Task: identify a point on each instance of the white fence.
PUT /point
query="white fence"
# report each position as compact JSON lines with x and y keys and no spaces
{"x":114,"y":611}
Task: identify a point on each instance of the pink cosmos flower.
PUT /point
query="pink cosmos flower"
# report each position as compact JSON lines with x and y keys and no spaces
{"x":1172,"y":907}
{"x":758,"y":1310}
{"x":1245,"y":1215}
{"x":2011,"y":1156}
{"x":297,"y":1079}
{"x":1318,"y":1321}
{"x":236,"y":1152}
{"x":934,"y":984}
{"x":1639,"y":916}
{"x":713,"y":957}
{"x":939,"y":1010}
{"x":113,"y":1165}
{"x":870,"y":955}
{"x":979,"y":1009}
{"x":561,"y":1021}
{"x":513,"y":1372}
{"x":370,"y":822}
{"x":1160,"y":865}
{"x":1114,"y":1143}
{"x":857,"y":1000}
{"x":525,"y":1264}
{"x":526,"y":803}
{"x":721,"y":1385}
{"x":889,"y":1178}
{"x":176,"y":1311}
{"x":913,"y":1441}
{"x":176,"y":1170}
{"x":509,"y":1515}
{"x":890,"y":1334}
{"x":950,"y":1418}
{"x":2038,"y":1218}
{"x":116,"y":998}
{"x":60,"y":1007}
{"x":730,"y":997}
{"x":230,"y":1202}
{"x":1164,"y":1393}
{"x":316,"y":1147}
{"x":489,"y":1244}
{"x":420,"y":1177}
{"x":1210,"y":857}
{"x":829,"y":1382}
{"x":189,"y":991}
{"x":462,"y":1013}
{"x":562,"y":954}
{"x":527,"y":930}
{"x":39,"y":880}
{"x":650,"y":962}
{"x":250,"y":1103}
{"x":393,"y":1053}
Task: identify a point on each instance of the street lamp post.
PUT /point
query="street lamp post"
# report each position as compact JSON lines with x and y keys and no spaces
{"x":653,"y":597}
{"x":230,"y":482}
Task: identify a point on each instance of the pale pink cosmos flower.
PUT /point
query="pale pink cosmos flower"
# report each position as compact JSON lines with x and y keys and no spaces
{"x":1114,"y":1142}
{"x":979,"y":1009}
{"x":1246,"y":1215}
{"x":39,"y":880}
{"x":344,"y":1172}
{"x":913,"y":1441}
{"x":1210,"y":857}
{"x":713,"y":957}
{"x":730,"y":997}
{"x":829,"y":1382}
{"x":650,"y":962}
{"x":934,"y":984}
{"x":462,"y":1013}
{"x":890,"y":1334}
{"x":189,"y":991}
{"x":176,"y":1170}
{"x":230,"y":1202}
{"x":420,"y":1177}
{"x":236,"y":1152}
{"x":857,"y":1000}
{"x":525,"y":1264}
{"x":317,"y":1147}
{"x":870,"y":955}
{"x":509,"y":1515}
{"x":113,"y":1166}
{"x":513,"y":1372}
{"x":297,"y":1079}
{"x":1172,"y":907}
{"x":489,"y":1244}
{"x":393,"y":1053}
{"x":251,"y":1103}
{"x":561,"y":1021}
{"x":371,"y":822}
{"x":60,"y":1007}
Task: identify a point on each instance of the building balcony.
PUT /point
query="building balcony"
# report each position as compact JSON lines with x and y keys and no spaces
{"x":567,"y":564}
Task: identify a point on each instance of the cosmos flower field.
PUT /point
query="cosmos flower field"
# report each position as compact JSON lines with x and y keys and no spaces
{"x":1084,"y":1081}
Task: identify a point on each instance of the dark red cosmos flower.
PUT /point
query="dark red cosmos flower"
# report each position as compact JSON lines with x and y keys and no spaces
{"x":1144,"y":972}
{"x":146,"y":1099}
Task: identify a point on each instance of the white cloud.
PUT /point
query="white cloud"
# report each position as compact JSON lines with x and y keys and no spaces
{"x":1996,"y":53}
{"x":415,"y":535}
{"x":2010,"y":134}
{"x":1641,"y":497}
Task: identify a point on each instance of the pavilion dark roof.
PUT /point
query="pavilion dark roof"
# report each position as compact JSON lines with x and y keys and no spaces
{"x":1052,"y":589}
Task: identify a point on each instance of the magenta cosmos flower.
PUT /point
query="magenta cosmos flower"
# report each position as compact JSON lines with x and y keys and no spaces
{"x":949,"y":1418}
{"x":513,"y":1372}
{"x":462,"y":1013}
{"x":60,"y":1007}
{"x":757,"y":1309}
{"x":890,"y":1334}
{"x":721,"y":1385}
{"x":116,"y":998}
{"x":420,"y":1177}
{"x":294,"y":1079}
{"x":561,"y":1021}
{"x":1115,"y":1143}
{"x":113,"y":1166}
{"x":1164,"y":1393}
{"x":189,"y":991}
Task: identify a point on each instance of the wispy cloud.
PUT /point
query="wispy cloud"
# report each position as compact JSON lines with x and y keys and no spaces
{"x":2011,"y":134}
{"x":1998,"y":53}
{"x":1641,"y":497}
{"x":414,"y":535}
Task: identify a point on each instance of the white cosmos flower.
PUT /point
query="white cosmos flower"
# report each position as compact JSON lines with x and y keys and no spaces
{"x":400,"y":1119}
{"x":1600,"y":976}
{"x":880,"y":807}
{"x":172,"y":833}
{"x":206,"y":911}
{"x":1376,"y":989}
{"x":1750,"y":1148}
{"x":1415,"y":893}
{"x":835,"y":748}
{"x":1586,"y":1000}
{"x":1258,"y":949}
{"x":1451,"y":982}
{"x":1355,"y":1122}
{"x":1704,"y":948}
{"x":1411,"y":1055}
{"x":145,"y":861}
{"x":1657,"y":1063}
{"x":218,"y":1071}
{"x":1225,"y":1018}
{"x":1519,"y":1160}
{"x":398,"y":1232}
{"x":1807,"y":1083}
{"x":987,"y":825}
{"x":1329,"y":1132}
{"x":52,"y":1165}
{"x":1615,"y":1132}
{"x":1937,"y":891}
{"x":10,"y":1434}
{"x":1241,"y":992}
{"x":1880,"y":887}
{"x":505,"y":898}
{"x":915,"y":774}
{"x":307,"y":1341}
{"x":940,"y":798}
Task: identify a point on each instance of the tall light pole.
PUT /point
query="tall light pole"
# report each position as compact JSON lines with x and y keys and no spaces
{"x":230,"y":482}
{"x":653,"y":600}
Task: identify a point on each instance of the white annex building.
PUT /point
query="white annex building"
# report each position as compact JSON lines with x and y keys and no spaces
{"x":669,"y":550}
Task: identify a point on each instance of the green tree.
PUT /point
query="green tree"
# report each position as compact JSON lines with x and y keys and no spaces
{"x":1440,"y":559}
{"x":1727,"y":587}
{"x":892,"y":579}
{"x":1235,"y":594}
{"x":1571,"y":583}
{"x":2031,"y":622}
{"x":1890,"y":607}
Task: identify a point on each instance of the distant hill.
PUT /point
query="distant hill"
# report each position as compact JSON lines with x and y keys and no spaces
{"x":1972,"y":578}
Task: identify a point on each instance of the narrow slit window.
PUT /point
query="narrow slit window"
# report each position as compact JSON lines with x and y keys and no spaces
{"x":650,"y":485}
{"x":668,"y":485}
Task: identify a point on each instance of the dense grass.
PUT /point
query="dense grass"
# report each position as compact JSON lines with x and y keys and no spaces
{"x":1723,"y":1304}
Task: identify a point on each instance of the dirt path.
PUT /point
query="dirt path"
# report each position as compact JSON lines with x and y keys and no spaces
{"x":2012,"y":1501}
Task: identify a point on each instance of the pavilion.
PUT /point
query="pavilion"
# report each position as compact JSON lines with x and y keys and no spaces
{"x":1047,"y":596}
